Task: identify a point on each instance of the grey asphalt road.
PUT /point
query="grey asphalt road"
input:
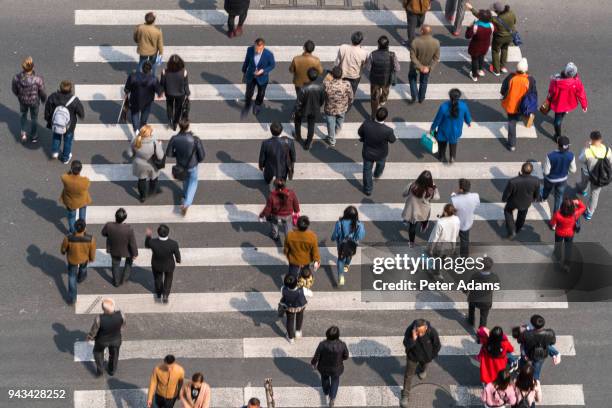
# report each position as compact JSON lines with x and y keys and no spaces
{"x":38,"y":329}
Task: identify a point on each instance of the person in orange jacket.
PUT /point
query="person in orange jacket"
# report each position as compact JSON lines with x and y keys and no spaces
{"x":514,"y":88}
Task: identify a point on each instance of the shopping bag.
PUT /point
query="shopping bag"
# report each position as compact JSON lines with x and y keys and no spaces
{"x":429,"y":142}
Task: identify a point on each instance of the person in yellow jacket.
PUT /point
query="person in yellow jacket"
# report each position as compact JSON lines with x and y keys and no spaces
{"x":513,"y":89}
{"x":166,"y":383}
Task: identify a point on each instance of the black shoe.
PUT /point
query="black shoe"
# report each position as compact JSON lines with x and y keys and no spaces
{"x":141,"y":199}
{"x":307,"y":145}
{"x":98,"y":374}
{"x":451,"y":160}
{"x":256,"y":109}
{"x":421,"y":100}
{"x":111,"y":373}
{"x":411,"y":101}
{"x":368,"y":193}
{"x":165,"y":300}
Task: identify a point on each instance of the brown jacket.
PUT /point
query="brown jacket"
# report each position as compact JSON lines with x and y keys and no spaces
{"x":75,"y":194}
{"x":300,"y":65}
{"x":424,"y":51}
{"x":166,"y":381}
{"x":79,"y":248}
{"x":417,"y":6}
{"x":302,"y":248}
{"x":150,"y":40}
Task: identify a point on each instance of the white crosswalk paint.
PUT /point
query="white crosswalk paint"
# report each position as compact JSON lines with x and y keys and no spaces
{"x":295,"y":17}
{"x":211,"y":53}
{"x":293,"y":397}
{"x":286,"y":92}
{"x":260,"y":131}
{"x":323,"y":171}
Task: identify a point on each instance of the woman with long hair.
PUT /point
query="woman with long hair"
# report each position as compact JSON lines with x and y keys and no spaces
{"x":565,"y":222}
{"x":500,"y":392}
{"x":443,"y":237}
{"x":494,"y":352}
{"x":175,"y":85}
{"x":527,"y":387}
{"x":448,"y":124}
{"x":144,"y":147}
{"x":417,"y":209}
{"x":281,"y":204}
{"x":348,"y":231}
{"x":195,"y":393}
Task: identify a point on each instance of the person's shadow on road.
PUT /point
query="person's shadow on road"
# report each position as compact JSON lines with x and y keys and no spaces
{"x":51,"y":266}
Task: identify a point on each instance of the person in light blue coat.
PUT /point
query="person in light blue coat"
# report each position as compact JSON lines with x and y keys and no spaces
{"x":348,"y":228}
{"x":448,"y":124}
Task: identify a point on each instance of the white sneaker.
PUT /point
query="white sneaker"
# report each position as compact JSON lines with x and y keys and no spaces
{"x":504,"y":70}
{"x":341,"y":281}
{"x":481,"y":73}
{"x":298,"y":334}
{"x":291,"y":341}
{"x":345,"y":268}
{"x":474,"y":78}
{"x":68,"y":159}
{"x":55,"y":155}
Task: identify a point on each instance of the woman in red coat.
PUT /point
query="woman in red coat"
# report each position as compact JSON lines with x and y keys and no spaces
{"x":564,"y":92}
{"x":282,"y":203}
{"x":480,"y":34}
{"x":493,"y":355}
{"x":565,"y":222}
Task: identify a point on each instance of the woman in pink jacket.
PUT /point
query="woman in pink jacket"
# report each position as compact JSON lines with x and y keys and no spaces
{"x":564,"y":93}
{"x":499,"y":392}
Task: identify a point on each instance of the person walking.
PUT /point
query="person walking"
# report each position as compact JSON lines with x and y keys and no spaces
{"x":596,"y":171}
{"x":62,"y":110}
{"x":144,"y":149}
{"x":500,"y":392}
{"x":164,"y":253}
{"x":338,"y":99}
{"x":105,"y":332}
{"x":120,"y":243}
{"x":520,"y":192}
{"x":383,"y":66}
{"x":566,"y":222}
{"x":479,"y":34}
{"x":29,"y":88}
{"x":301,"y":64}
{"x":80,"y":249}
{"x":141,"y":86}
{"x":257,"y":65}
{"x":174,"y":84}
{"x":351,"y":59}
{"x":75,"y":194}
{"x":328,"y":360}
{"x":236,"y":8}
{"x":424,"y":55}
{"x":165,"y":384}
{"x":375,"y":136}
{"x":448,"y":124}
{"x":454,"y":12}
{"x":536,"y":344}
{"x":302,"y":247}
{"x":557,"y":165}
{"x":293,"y":302}
{"x":252,"y":403}
{"x":422,"y":345}
{"x":281,"y":204}
{"x":481,"y":299}
{"x":466,"y":203}
{"x":443,"y":238}
{"x":417,"y":208}
{"x":494,"y":350}
{"x":527,"y":387}
{"x":277,"y":155}
{"x":150,"y":43}
{"x":565,"y":91}
{"x":189,"y":152}
{"x":310,"y":99}
{"x":195,"y":393}
{"x":415,"y":17}
{"x":513,"y":89}
{"x":347,"y":233}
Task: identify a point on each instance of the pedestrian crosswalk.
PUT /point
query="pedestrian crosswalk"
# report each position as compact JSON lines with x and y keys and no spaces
{"x":230,"y":303}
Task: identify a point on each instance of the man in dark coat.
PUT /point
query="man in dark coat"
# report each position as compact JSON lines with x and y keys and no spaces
{"x":106,"y":332}
{"x":120,"y":243}
{"x":257,"y":65}
{"x":329,"y":361}
{"x":277,"y":155}
{"x":310,"y":99}
{"x":536,"y":342}
{"x":164,"y":253}
{"x":481,"y":299}
{"x":375,"y":136}
{"x":520,"y":193}
{"x":236,"y":8}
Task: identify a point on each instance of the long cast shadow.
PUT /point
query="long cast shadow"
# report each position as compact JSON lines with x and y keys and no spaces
{"x":51,"y":266}
{"x":46,"y":208}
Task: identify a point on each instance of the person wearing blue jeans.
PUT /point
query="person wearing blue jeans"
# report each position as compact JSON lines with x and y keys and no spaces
{"x":424,"y":55}
{"x":152,"y":59}
{"x":140,"y":118}
{"x":372,"y":168}
{"x":33,"y":110}
{"x":141,"y":88}
{"x":29,"y":88}
{"x":329,"y":361}
{"x":72,"y":218}
{"x":556,"y":168}
{"x":417,"y":94}
{"x":75,"y":194}
{"x":190,"y":185}
{"x":375,"y":136}
{"x":66,"y":151}
{"x":347,"y":228}
{"x":80,"y":249}
{"x":62,"y":127}
{"x":334,"y":125}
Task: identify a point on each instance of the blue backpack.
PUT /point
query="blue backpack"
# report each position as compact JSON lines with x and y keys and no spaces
{"x":529,"y":103}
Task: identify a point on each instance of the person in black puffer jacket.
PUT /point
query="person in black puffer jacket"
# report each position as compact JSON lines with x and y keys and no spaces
{"x":536,"y":343}
{"x":328,"y":360}
{"x":293,"y":299}
{"x":235,"y":8}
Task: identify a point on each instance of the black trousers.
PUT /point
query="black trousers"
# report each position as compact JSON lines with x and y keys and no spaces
{"x":354,"y":84}
{"x":142,"y":187}
{"x":298,"y":128}
{"x":442,"y":150}
{"x":511,"y":225}
{"x":161,"y":402}
{"x":464,"y":243}
{"x":412,"y":226}
{"x":232,"y":18}
{"x":163,"y":282}
{"x":250,"y":90}
{"x":477,"y":64}
{"x":484,"y":312}
{"x":120,"y":276}
{"x":294,"y":323}
{"x":174,"y":108}
{"x":113,"y":357}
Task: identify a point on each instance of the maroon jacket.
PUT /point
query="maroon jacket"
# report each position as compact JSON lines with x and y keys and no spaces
{"x":276,"y":207}
{"x":480,"y":34}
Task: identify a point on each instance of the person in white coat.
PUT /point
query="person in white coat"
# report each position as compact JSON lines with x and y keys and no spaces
{"x":443,"y":238}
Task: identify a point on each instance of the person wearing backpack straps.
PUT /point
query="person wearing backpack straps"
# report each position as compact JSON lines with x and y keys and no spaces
{"x":500,"y":392}
{"x":527,"y":388}
{"x":61,"y":112}
{"x":596,"y":159}
{"x":536,"y":344}
{"x":348,"y":231}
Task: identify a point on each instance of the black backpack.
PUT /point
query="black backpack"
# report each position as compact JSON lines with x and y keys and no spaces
{"x":601,"y":173}
{"x":524,"y":402}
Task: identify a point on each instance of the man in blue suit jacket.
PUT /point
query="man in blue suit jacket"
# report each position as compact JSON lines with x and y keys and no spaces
{"x":256,"y":69}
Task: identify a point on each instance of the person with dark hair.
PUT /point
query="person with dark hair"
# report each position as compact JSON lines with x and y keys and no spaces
{"x":415,"y":17}
{"x":447,"y":126}
{"x":383,"y":66}
{"x":500,"y":392}
{"x":150,"y":42}
{"x":596,"y":159}
{"x":481,"y":299}
{"x":465,"y":203}
{"x":75,"y":194}
{"x":253,"y":403}
{"x":566,"y":222}
{"x":454,"y":11}
{"x":282,"y":203}
{"x":195,"y":393}
{"x":565,"y":90}
{"x":293,"y":301}
{"x":301,"y":64}
{"x":520,"y":192}
{"x":347,"y":233}
{"x":80,"y":249}
{"x":164,"y":253}
{"x":479,"y":34}
{"x":105,"y":332}
{"x":417,"y":209}
{"x":141,"y":86}
{"x":375,"y":136}
{"x":424,"y":55}
{"x":257,"y":65}
{"x":443,"y":237}
{"x":328,"y":360}
{"x":514,"y":88}
{"x":422,"y":345}
{"x":310,"y":99}
{"x":351,"y":59}
{"x":189,"y":152}
{"x":120,"y":243}
{"x":236,"y":8}
{"x":29,"y":88}
{"x":536,"y":342}
{"x":527,"y":386}
{"x":338,"y":99}
{"x":62,"y":110}
{"x":277,"y":155}
{"x":302,"y":247}
{"x":175,"y":85}
{"x":494,"y":351}
{"x":166,"y":383}
{"x":556,"y":167}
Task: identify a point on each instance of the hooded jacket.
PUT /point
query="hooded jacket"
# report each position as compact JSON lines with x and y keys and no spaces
{"x":425,"y":348}
{"x":565,"y":93}
{"x":29,"y":88}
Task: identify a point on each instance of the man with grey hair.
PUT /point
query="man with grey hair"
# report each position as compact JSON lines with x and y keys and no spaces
{"x":106,"y":332}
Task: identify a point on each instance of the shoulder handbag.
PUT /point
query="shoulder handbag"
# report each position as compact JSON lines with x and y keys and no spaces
{"x":392,"y":74}
{"x":516,"y":37}
{"x":157,"y":164}
{"x":185,"y":108}
{"x":545,"y":107}
{"x":179,"y":171}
